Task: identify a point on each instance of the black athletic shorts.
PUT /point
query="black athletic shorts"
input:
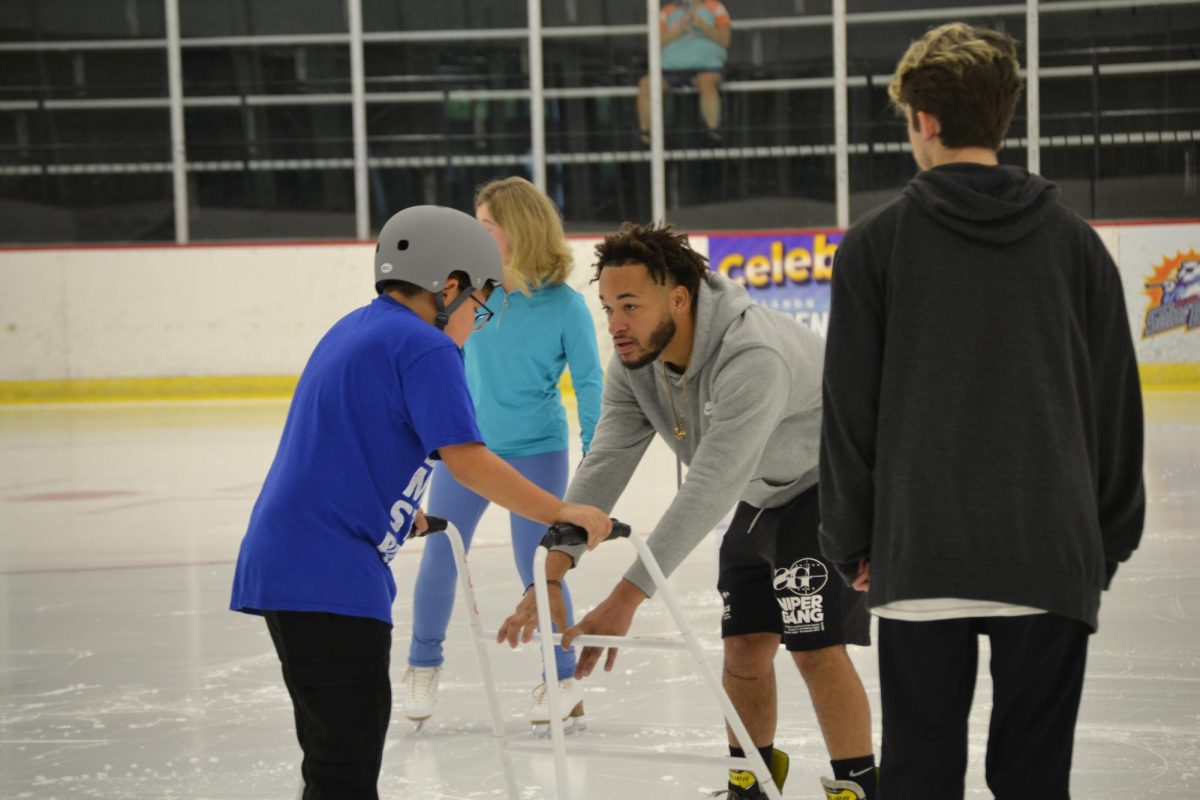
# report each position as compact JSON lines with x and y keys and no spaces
{"x":773,"y":579}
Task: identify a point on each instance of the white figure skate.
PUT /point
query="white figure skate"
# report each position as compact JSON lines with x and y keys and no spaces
{"x":420,"y":694}
{"x":570,"y":692}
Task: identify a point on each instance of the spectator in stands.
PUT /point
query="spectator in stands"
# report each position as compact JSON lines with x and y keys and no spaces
{"x":695,"y":40}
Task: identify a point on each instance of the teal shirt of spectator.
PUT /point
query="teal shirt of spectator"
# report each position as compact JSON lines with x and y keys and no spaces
{"x":514,"y":365}
{"x":694,"y":51}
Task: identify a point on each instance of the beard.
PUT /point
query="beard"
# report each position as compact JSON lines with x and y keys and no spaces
{"x":660,"y":337}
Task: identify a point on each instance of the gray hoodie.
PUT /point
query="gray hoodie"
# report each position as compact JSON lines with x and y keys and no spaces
{"x":753,"y":419}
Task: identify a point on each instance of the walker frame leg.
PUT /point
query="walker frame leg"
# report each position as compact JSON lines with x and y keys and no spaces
{"x":499,"y":734}
{"x":756,"y":763}
{"x":687,"y":638}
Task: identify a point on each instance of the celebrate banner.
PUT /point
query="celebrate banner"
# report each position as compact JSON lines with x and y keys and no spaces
{"x":788,"y":272}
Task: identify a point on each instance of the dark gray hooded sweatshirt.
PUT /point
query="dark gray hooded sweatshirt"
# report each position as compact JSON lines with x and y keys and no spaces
{"x":983,"y":424}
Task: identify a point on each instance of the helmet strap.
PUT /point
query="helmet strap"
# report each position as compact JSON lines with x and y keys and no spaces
{"x":442,"y":318}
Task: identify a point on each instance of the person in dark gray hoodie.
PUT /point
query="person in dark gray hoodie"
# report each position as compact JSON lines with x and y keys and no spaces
{"x":981,"y":459}
{"x":734,"y":389}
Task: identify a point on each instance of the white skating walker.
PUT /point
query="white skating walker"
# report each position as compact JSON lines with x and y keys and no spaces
{"x":687,"y":640}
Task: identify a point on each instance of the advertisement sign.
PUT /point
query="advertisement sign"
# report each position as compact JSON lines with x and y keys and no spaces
{"x":1160,"y":268}
{"x":786,"y":272}
{"x":1174,"y":292}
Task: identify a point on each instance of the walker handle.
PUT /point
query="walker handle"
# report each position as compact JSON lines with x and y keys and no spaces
{"x":564,"y":533}
{"x":436,"y":525}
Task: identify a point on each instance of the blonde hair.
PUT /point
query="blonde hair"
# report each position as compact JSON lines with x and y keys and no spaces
{"x":968,"y":77}
{"x":540,"y":254}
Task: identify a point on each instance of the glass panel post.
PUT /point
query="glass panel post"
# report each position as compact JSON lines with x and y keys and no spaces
{"x":1033,"y":99}
{"x":537,"y":99}
{"x":841,"y":130}
{"x":658,"y":176}
{"x":178,"y":142}
{"x":358,"y":121}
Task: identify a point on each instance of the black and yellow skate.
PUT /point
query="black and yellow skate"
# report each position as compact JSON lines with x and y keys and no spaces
{"x":843,"y":790}
{"x":744,"y":786}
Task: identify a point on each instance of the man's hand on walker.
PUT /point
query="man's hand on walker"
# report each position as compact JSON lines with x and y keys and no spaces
{"x":521,"y":624}
{"x":611,"y":618}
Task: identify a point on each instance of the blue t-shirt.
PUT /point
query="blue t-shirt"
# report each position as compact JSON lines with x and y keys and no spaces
{"x":381,"y":393}
{"x":514,"y":365}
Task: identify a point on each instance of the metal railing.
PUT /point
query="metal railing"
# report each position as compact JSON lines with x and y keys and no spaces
{"x":536,"y":160}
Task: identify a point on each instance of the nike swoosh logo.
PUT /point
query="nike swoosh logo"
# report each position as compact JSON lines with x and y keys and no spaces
{"x":854,"y":774}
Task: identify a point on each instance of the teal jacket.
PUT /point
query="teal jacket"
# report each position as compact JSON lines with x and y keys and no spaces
{"x":514,"y":365}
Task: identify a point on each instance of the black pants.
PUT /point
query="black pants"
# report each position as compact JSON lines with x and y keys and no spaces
{"x":336,"y":670}
{"x":927,"y":676}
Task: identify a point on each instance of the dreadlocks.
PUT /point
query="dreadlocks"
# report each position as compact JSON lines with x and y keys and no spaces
{"x":665,"y":253}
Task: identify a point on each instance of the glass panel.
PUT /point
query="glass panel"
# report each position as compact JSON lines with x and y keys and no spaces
{"x":435,"y":131}
{"x":867,"y":6}
{"x":20,"y":76}
{"x":1122,"y":145}
{"x":202,"y":18}
{"x":276,"y":172}
{"x":57,"y":74}
{"x":279,"y":203}
{"x":768,"y":162}
{"x":604,"y":120}
{"x":600,"y":128}
{"x":289,"y":69}
{"x":389,"y":15}
{"x":779,"y":9}
{"x":271,"y":132}
{"x":567,"y":13}
{"x":753,"y":192}
{"x":86,"y":176}
{"x":597,"y":197}
{"x":88,"y":208}
{"x":598,"y":169}
{"x":81,"y":20}
{"x":104,"y":136}
{"x":72,"y":167}
{"x":579,"y":61}
{"x":422,"y":66}
{"x":459,"y":143}
{"x":395,"y":187}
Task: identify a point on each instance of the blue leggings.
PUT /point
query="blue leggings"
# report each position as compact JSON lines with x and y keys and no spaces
{"x":433,"y":594}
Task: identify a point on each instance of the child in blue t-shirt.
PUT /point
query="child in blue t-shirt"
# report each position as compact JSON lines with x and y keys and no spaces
{"x":382,"y":397}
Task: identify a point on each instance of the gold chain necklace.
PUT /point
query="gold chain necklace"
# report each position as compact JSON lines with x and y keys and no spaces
{"x":680,"y":428}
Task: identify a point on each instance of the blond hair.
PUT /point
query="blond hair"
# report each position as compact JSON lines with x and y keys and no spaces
{"x":540,"y":254}
{"x":968,"y":77}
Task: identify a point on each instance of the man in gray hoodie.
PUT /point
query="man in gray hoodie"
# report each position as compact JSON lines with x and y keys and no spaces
{"x":981,"y":467}
{"x":734,"y":389}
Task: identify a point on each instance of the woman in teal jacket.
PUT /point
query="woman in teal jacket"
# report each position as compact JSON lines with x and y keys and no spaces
{"x":514,"y":364}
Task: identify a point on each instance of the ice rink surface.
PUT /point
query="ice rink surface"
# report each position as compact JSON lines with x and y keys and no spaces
{"x":123,"y":674}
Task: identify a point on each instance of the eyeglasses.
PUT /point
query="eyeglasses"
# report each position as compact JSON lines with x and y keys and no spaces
{"x":482,"y":316}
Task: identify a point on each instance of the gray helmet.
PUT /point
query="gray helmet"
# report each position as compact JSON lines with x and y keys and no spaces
{"x":422,"y":245}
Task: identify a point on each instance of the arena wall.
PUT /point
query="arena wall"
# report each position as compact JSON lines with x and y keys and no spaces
{"x":217,"y":320}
